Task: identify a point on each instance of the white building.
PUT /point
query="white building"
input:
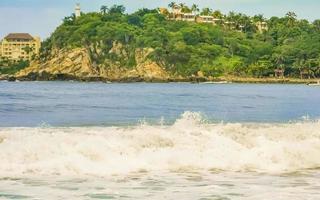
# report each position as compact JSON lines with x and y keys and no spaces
{"x":78,"y":10}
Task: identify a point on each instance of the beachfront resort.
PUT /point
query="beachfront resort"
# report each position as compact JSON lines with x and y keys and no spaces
{"x":181,"y":12}
{"x":19,"y":46}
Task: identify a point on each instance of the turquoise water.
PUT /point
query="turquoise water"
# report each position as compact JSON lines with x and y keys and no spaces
{"x":97,"y":104}
{"x":69,"y":140}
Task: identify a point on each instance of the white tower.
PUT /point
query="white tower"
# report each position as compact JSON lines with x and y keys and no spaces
{"x":78,"y":10}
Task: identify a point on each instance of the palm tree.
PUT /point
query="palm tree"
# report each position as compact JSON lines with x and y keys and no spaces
{"x":104,"y":9}
{"x":185,"y":9}
{"x":206,"y":11}
{"x":245,"y":24}
{"x":292,"y":18}
{"x":231,"y":16}
{"x":217,"y":14}
{"x":258,"y":18}
{"x":182,"y":5}
{"x":316,"y":24}
{"x":195,"y":8}
{"x":292,"y":15}
{"x":172,"y":5}
{"x":234,"y":20}
{"x":279,"y":60}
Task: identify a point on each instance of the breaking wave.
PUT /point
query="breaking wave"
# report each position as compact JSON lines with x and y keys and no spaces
{"x":189,"y":144}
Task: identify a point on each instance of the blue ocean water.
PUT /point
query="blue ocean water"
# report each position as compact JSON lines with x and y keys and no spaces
{"x":70,"y":140}
{"x":31,"y":104}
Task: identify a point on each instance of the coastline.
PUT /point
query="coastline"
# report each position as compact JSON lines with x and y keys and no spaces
{"x":137,"y":79}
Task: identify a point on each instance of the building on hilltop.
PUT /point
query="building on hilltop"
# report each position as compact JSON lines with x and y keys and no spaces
{"x":177,"y":14}
{"x":208,"y":19}
{"x":19,"y":46}
{"x":189,"y":17}
{"x":77,"y":10}
{"x":262,"y":26}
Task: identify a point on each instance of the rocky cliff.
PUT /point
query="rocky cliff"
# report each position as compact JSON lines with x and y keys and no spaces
{"x":81,"y":64}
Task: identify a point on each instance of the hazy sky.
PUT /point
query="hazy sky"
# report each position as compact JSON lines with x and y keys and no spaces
{"x":41,"y":17}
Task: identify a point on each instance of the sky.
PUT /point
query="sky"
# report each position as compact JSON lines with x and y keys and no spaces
{"x":41,"y":17}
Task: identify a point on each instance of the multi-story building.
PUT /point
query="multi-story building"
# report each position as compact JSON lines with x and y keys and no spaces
{"x":208,"y":19}
{"x":189,"y":17}
{"x":262,"y":26}
{"x":177,"y":15}
{"x":19,"y":46}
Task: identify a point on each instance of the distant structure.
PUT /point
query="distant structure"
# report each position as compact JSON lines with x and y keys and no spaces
{"x":262,"y":26}
{"x":78,"y":10}
{"x":208,"y":19}
{"x":177,"y":14}
{"x":19,"y":46}
{"x":279,"y":73}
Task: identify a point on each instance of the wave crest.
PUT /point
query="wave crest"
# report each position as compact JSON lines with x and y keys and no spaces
{"x":190,"y":143}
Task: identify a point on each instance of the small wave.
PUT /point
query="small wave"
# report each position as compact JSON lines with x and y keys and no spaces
{"x":190,"y":143}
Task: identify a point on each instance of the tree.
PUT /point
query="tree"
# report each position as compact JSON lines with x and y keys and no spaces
{"x":69,"y":20}
{"x":134,"y":20}
{"x":103,"y":9}
{"x":28,"y":49}
{"x":185,"y":48}
{"x":195,"y":8}
{"x":172,"y":5}
{"x":245,"y":24}
{"x":206,"y":11}
{"x":182,"y":5}
{"x":316,"y":25}
{"x":258,"y":18}
{"x":185,"y":9}
{"x":279,"y":60}
{"x":291,"y":18}
{"x":217,"y":14}
{"x":117,"y":9}
{"x":300,"y":64}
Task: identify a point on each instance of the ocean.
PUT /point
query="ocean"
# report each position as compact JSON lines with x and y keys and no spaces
{"x":71,"y":140}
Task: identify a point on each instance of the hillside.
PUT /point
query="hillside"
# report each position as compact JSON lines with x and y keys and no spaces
{"x":146,"y":46}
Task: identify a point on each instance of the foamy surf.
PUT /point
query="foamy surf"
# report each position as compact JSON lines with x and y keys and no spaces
{"x":187,"y":145}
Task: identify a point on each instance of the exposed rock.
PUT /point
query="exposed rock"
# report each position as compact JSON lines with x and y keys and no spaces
{"x":200,"y":74}
{"x":11,"y":78}
{"x":118,"y":49}
{"x":3,"y":77}
{"x":147,"y":68}
{"x":74,"y":62}
{"x":80,"y":64}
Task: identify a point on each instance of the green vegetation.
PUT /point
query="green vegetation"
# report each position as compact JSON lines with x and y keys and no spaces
{"x":10,"y":68}
{"x":185,"y":48}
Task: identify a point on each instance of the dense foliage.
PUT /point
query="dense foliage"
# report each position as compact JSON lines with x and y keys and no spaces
{"x":7,"y":67}
{"x":185,"y":48}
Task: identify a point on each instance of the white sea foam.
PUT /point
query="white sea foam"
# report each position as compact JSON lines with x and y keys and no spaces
{"x":189,"y":144}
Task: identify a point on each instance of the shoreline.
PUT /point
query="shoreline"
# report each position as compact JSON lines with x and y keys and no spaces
{"x":193,"y":79}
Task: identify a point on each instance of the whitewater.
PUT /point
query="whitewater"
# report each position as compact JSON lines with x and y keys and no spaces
{"x":61,"y":140}
{"x":209,"y":160}
{"x":187,"y":145}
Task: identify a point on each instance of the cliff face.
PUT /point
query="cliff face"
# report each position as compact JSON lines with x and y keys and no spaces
{"x":75,"y":62}
{"x":81,"y":63}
